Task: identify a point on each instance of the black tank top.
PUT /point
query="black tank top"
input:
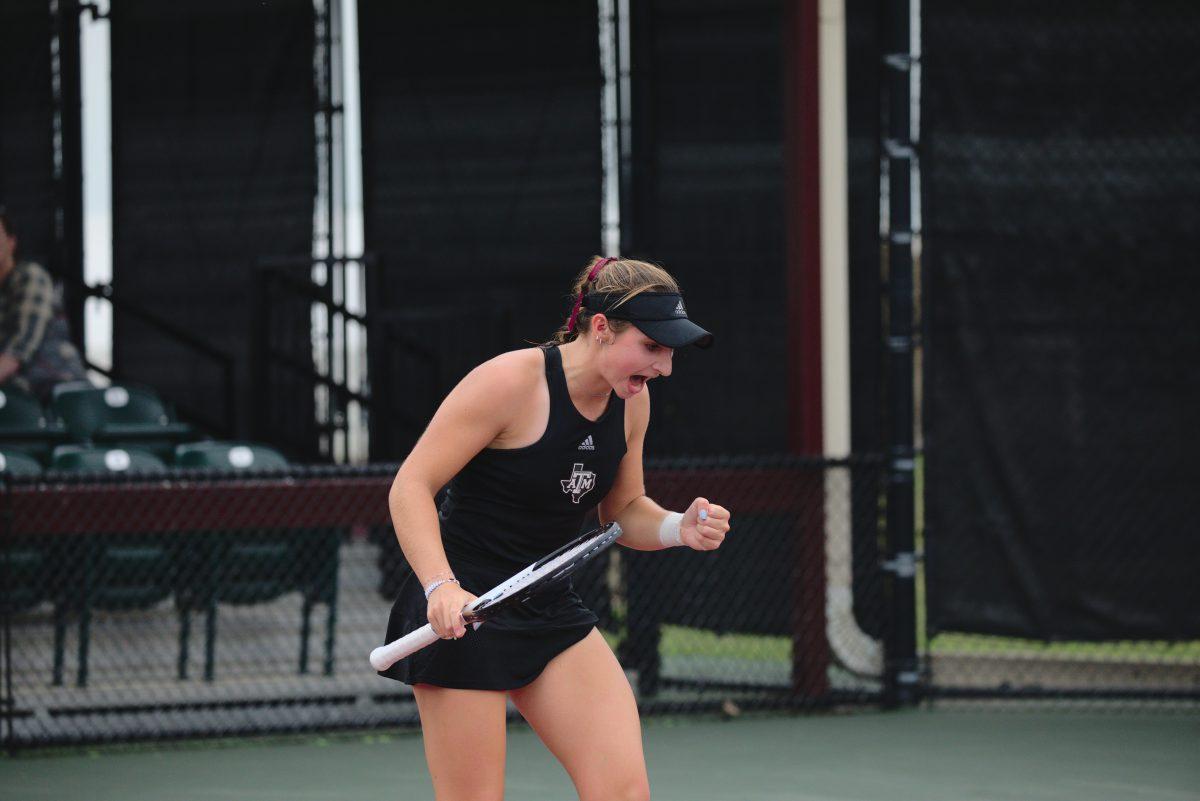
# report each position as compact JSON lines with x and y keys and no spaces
{"x":509,"y":507}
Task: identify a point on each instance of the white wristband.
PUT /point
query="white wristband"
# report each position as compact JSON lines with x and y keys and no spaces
{"x":668,"y":532}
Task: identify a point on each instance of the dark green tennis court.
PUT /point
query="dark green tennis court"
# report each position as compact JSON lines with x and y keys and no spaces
{"x":1004,"y":754}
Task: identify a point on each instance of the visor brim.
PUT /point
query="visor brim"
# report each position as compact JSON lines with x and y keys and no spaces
{"x":677,"y":333}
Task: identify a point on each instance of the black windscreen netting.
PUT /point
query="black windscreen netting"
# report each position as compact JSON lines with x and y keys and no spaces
{"x":213,"y":169}
{"x":709,"y":204}
{"x":1061,"y":200}
{"x":26,"y":108}
{"x":481,"y":139}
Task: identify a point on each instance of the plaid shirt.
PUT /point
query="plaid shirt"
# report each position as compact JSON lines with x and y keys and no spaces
{"x":33,"y":329}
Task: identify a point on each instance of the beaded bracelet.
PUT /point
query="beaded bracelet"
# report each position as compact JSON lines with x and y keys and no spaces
{"x":433,"y":585}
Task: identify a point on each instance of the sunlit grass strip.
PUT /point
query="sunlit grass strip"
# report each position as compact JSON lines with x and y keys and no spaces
{"x":1121,"y":651}
{"x":681,"y":641}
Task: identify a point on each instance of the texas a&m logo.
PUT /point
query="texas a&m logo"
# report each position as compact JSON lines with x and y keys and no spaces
{"x":580,"y":483}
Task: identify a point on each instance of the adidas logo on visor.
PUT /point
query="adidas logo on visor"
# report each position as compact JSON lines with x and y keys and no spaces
{"x":587,"y":444}
{"x":679,"y":310}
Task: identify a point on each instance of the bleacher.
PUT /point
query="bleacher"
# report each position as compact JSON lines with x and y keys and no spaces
{"x":86,"y":428}
{"x":125,"y":431}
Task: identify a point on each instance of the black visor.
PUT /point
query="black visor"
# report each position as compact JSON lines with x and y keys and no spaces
{"x":659,"y":315}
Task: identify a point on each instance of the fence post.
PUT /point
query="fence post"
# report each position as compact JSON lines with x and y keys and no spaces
{"x":900,"y":650}
{"x":9,"y":701}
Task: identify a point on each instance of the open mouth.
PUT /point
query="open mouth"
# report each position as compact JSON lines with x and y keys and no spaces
{"x":636,"y":382}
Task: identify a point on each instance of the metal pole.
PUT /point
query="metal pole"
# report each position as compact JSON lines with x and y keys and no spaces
{"x":10,"y":701}
{"x":326,"y":435}
{"x":332,"y":189}
{"x":68,"y":156}
{"x":900,"y":666}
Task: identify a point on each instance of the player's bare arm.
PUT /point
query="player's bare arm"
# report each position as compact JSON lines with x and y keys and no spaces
{"x":477,"y":413}
{"x":642,"y":519}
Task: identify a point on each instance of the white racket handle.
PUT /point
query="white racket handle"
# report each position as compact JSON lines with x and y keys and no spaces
{"x":385,"y":656}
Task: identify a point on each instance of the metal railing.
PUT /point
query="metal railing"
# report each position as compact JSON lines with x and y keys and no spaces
{"x":223,"y":425}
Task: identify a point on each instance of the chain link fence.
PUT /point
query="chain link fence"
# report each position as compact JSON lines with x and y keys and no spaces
{"x":198,"y":603}
{"x":186,"y":603}
{"x":190,"y":602}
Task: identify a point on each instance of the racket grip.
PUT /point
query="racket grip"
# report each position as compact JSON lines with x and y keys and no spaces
{"x":385,"y":656}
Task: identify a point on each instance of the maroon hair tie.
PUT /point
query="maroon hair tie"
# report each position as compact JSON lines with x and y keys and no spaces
{"x":579,"y":300}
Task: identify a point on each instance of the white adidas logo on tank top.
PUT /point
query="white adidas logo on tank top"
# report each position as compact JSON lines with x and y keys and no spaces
{"x":587,"y":444}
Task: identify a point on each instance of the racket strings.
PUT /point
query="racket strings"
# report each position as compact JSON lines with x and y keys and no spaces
{"x":551,"y":568}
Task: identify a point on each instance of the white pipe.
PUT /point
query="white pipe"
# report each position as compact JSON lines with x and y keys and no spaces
{"x":852,"y":648}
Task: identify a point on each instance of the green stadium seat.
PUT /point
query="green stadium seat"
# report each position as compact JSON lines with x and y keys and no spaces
{"x":257,"y":566}
{"x":26,"y":579}
{"x":24,"y":425}
{"x":32,"y":566}
{"x":69,"y":386}
{"x":86,"y":459}
{"x":34,"y":572}
{"x":18,"y":463}
{"x":115,"y":572}
{"x":122,"y":415}
{"x":20,"y":410}
{"x":217,"y":455}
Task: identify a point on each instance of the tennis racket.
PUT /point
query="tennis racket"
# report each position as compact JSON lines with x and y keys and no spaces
{"x":550,"y":568}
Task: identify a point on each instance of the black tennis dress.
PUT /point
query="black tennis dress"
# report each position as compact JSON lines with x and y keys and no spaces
{"x":504,"y":510}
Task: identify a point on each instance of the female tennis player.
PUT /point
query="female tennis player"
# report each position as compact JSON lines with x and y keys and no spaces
{"x":529,"y":442}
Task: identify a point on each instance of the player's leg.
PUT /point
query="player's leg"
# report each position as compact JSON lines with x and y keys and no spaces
{"x":464,"y":732}
{"x":583,"y":709}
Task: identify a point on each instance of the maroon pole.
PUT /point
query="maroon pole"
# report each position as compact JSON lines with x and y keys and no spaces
{"x":810,"y":651}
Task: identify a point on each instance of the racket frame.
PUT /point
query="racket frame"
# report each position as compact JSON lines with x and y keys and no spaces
{"x":555,"y":566}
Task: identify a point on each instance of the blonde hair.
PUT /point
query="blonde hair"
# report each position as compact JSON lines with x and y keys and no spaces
{"x":626,"y":276}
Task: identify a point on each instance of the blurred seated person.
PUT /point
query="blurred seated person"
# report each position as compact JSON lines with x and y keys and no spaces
{"x":36,"y":351}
